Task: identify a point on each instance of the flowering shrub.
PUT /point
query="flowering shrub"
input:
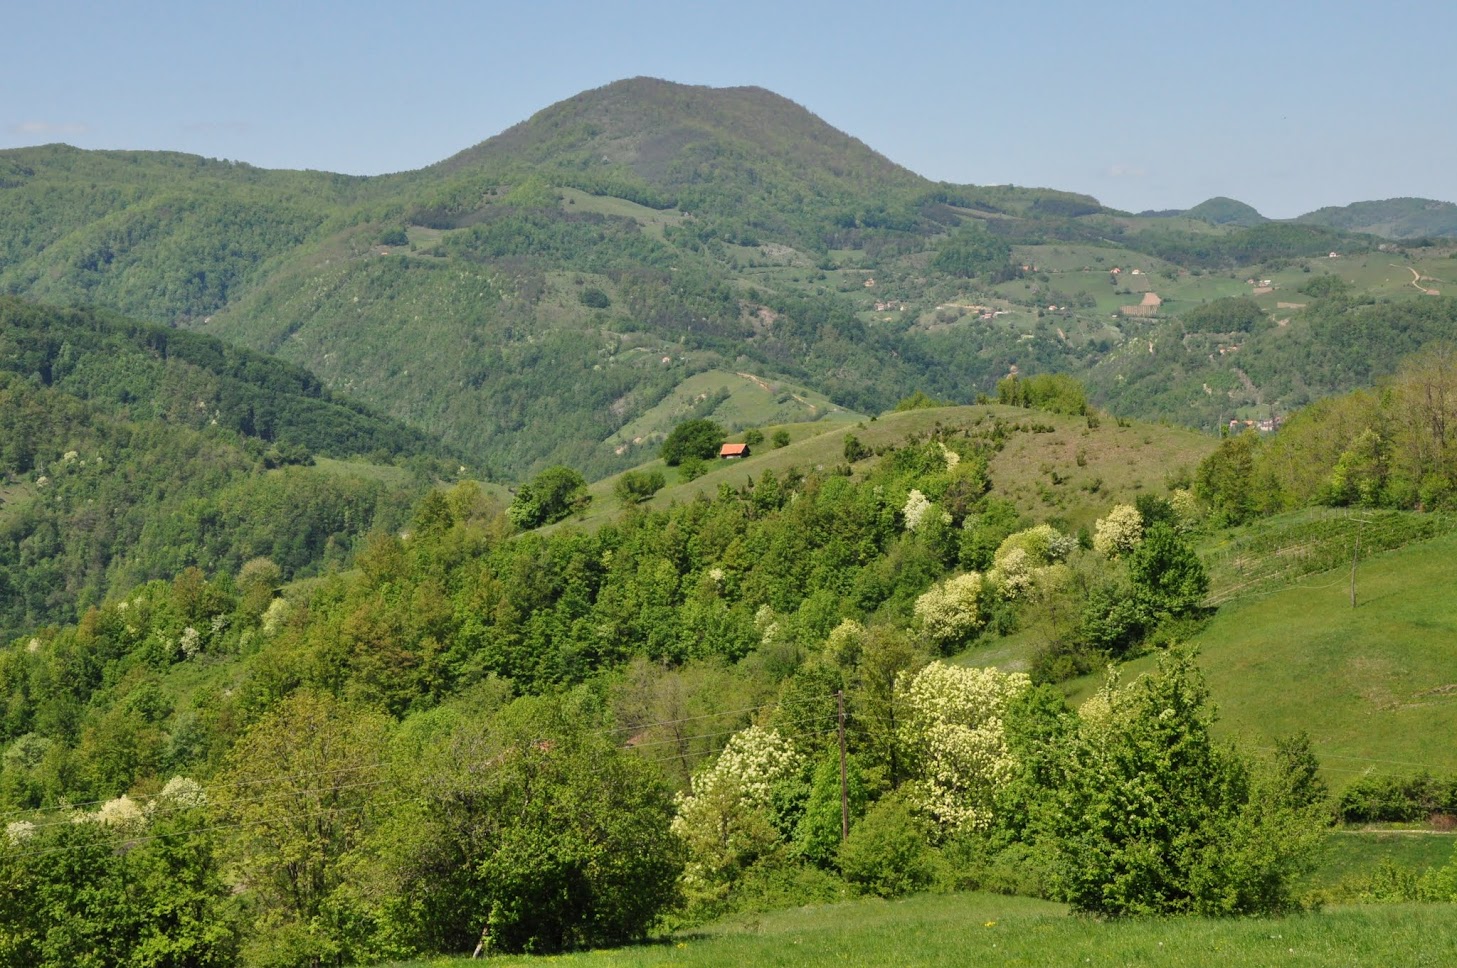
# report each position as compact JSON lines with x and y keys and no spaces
{"x":1118,"y":533}
{"x":180,"y":793}
{"x":916,"y":509}
{"x":123,"y":813}
{"x":277,"y":613}
{"x":1013,"y":574}
{"x":844,"y":643}
{"x":1186,"y":508}
{"x":191,"y":642}
{"x":1043,"y":545}
{"x":723,"y":821}
{"x":953,"y":733}
{"x":951,"y":611}
{"x":1022,"y":556}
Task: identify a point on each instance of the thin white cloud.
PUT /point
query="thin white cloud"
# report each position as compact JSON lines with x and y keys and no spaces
{"x":31,"y":129}
{"x":1126,"y":171}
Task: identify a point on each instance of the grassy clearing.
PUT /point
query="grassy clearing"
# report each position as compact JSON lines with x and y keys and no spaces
{"x":981,"y":929}
{"x":752,"y":401}
{"x":1039,"y":472}
{"x":1353,"y":854}
{"x":386,"y":474}
{"x":652,"y":220}
{"x":1374,"y":686}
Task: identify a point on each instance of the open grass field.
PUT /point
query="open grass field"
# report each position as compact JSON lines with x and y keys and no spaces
{"x":1375,"y":686}
{"x":753,"y":401}
{"x":981,"y":929}
{"x":652,"y":220}
{"x":1353,"y":854}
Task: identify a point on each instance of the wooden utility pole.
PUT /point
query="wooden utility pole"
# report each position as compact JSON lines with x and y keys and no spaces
{"x":1355,"y":555}
{"x":844,"y":785}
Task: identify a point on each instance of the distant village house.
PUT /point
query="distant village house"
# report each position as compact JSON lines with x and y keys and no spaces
{"x":729,"y":451}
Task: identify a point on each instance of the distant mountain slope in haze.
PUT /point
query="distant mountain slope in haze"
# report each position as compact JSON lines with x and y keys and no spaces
{"x":1226,"y":211}
{"x":649,"y":125}
{"x":1392,"y":218}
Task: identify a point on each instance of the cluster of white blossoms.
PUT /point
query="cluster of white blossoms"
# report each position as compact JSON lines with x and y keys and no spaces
{"x":180,"y":793}
{"x":275,"y":615}
{"x":916,"y":509}
{"x":952,"y":609}
{"x":953,"y":731}
{"x":752,"y":762}
{"x":1023,"y":559}
{"x":1186,"y":507}
{"x":722,"y":821}
{"x":125,"y":815}
{"x":190,"y":643}
{"x":1119,"y":533}
{"x":844,"y":642}
{"x":766,"y":620}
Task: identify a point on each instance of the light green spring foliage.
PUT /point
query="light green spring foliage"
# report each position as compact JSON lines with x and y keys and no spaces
{"x":953,"y":736}
{"x":1153,"y":816}
{"x":1186,"y":506}
{"x":724,"y":821}
{"x":950,"y":612}
{"x":1119,"y":533}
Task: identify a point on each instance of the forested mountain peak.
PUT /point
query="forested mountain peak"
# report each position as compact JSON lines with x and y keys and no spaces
{"x":1220,"y":210}
{"x":646,"y":251}
{"x":665,"y":131}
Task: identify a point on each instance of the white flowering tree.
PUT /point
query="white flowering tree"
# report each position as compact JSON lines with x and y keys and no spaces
{"x":1042,"y":546}
{"x":1187,"y":511}
{"x":1119,"y":533}
{"x":1022,"y":557}
{"x":953,"y":736}
{"x":918,"y":510}
{"x":723,"y":821}
{"x":951,"y":611}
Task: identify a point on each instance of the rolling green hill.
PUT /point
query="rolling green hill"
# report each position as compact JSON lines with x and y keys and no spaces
{"x":1226,"y":211}
{"x":1371,"y":685}
{"x":544,"y":296}
{"x":131,"y":452}
{"x":1393,"y":218}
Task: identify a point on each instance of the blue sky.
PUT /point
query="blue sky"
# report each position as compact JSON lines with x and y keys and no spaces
{"x":1285,"y":105}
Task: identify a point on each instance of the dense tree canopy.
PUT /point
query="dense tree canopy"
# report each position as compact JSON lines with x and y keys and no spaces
{"x":693,"y":438}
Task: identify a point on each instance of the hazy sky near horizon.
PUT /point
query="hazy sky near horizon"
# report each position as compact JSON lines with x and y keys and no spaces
{"x":1285,"y":104}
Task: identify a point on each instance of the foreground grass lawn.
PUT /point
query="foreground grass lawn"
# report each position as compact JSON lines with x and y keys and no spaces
{"x":982,"y":929}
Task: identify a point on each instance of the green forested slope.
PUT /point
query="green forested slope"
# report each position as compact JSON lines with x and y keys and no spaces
{"x":531,"y":296}
{"x":130,"y":452}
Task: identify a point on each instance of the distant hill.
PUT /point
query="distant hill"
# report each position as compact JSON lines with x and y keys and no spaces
{"x":550,"y":294}
{"x":130,"y":452}
{"x":1393,"y":218}
{"x":146,"y":372}
{"x":1226,"y":211}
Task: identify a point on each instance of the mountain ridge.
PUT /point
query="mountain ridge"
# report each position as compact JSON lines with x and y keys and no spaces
{"x":533,"y":295}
